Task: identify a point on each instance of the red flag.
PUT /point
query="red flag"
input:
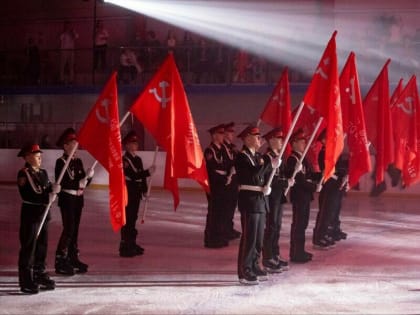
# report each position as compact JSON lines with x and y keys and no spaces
{"x":164,"y":111}
{"x":379,"y":129}
{"x":323,"y":95}
{"x":100,"y":136}
{"x":354,"y":121}
{"x":397,"y":92}
{"x":277,"y":111}
{"x":404,"y":113}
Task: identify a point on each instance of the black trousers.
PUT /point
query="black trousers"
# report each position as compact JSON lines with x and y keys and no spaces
{"x":231,"y":204}
{"x":215,"y":230}
{"x":272,"y":227}
{"x":71,"y":213}
{"x":300,"y":220}
{"x":329,"y":204}
{"x":33,"y":252}
{"x":250,"y":246}
{"x":129,"y":231}
{"x":99,"y":57}
{"x":335,"y":215}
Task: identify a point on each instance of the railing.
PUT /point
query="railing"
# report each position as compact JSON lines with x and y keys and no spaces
{"x":214,"y":64}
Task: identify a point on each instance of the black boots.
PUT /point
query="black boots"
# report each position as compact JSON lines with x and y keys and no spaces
{"x":130,"y":249}
{"x":63,"y":265}
{"x":42,"y":278}
{"x":79,"y":266}
{"x":69,"y":264}
{"x":27,"y":283}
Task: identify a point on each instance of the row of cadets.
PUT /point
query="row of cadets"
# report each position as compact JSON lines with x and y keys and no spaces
{"x":36,"y":192}
{"x":327,"y":228}
{"x":70,"y":202}
{"x":136,"y":181}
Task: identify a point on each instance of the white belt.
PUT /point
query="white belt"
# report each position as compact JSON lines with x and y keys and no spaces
{"x":33,"y":203}
{"x":250,"y":187}
{"x":133,"y":180}
{"x":220,"y":172}
{"x":73,"y":192}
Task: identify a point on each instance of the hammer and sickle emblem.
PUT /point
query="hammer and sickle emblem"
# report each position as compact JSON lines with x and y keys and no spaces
{"x":321,"y":72}
{"x":352,"y":91}
{"x":161,"y":99}
{"x":103,"y":118}
{"x":278,"y":98}
{"x":407,"y":106}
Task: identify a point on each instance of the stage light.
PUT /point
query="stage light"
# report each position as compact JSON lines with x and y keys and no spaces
{"x":292,"y":33}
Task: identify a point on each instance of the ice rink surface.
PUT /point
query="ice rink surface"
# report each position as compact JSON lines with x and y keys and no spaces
{"x":375,"y":271}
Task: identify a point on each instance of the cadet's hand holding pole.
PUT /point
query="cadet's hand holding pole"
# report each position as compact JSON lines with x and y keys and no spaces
{"x":149,"y":185}
{"x":298,"y":166}
{"x":286,"y":140}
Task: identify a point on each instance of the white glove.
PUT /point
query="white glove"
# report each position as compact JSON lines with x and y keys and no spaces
{"x":55,"y":188}
{"x":83,"y":183}
{"x":266,"y":190}
{"x":290,"y":182}
{"x":319,"y":187}
{"x":298,"y":167}
{"x":276,"y":162}
{"x":152,"y":169}
{"x":90,"y":172}
{"x":51,"y":197}
{"x":229,"y":180}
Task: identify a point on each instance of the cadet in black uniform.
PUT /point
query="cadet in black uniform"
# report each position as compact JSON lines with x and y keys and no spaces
{"x":70,"y":201}
{"x":327,"y":227}
{"x":215,"y":234}
{"x":36,"y":191}
{"x":272,"y":260}
{"x":334,"y":229}
{"x":231,"y":152}
{"x":136,"y":180}
{"x":301,"y":195}
{"x":252,"y":168}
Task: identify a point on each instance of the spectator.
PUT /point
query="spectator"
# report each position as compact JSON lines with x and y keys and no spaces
{"x":129,"y":66}
{"x":152,"y":51}
{"x":202,"y":60}
{"x":101,"y":44}
{"x":67,"y":44}
{"x":188,"y":46}
{"x":171,"y":41}
{"x":33,"y":67}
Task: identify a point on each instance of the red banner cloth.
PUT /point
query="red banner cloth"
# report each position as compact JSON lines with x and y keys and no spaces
{"x":354,"y":121}
{"x":100,"y":136}
{"x":164,"y":111}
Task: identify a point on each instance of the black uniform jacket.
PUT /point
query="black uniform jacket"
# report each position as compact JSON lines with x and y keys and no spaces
{"x":34,"y":188}
{"x":217,"y":168}
{"x":305,"y":181}
{"x":71,"y":179}
{"x":341,"y":166}
{"x":135,"y":174}
{"x":252,"y":170}
{"x":280,"y":182}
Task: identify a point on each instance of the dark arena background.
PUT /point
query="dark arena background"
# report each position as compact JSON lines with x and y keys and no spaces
{"x":230,"y":55}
